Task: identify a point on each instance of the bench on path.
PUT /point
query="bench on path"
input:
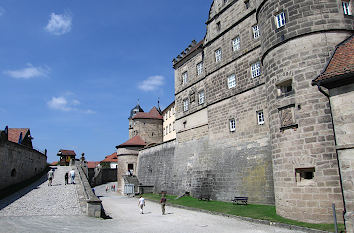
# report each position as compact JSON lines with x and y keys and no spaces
{"x":204,"y":197}
{"x":240,"y":200}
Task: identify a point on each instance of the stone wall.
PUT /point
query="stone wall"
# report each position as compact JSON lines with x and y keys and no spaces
{"x":155,"y":165}
{"x":150,"y":130}
{"x":342,"y":102}
{"x":19,"y":163}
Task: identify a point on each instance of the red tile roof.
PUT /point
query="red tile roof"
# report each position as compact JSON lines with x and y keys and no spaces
{"x":54,"y":163}
{"x":153,"y":114}
{"x":341,"y":64}
{"x":67,"y":152}
{"x":111,"y":158}
{"x":92,"y":164}
{"x":135,"y":141}
{"x":14,"y":133}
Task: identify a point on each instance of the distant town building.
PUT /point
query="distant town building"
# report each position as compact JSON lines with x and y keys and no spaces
{"x":66,"y":156}
{"x":168,"y":114}
{"x":111,"y":161}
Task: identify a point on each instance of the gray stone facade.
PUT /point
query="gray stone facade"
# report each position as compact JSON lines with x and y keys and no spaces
{"x":222,"y":148}
{"x":18,"y":163}
{"x":148,"y":129}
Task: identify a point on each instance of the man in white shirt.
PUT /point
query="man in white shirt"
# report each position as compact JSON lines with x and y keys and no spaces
{"x":141,"y":204}
{"x":72,"y":175}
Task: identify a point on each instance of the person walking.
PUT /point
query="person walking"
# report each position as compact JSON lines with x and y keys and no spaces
{"x":66,"y":177}
{"x":50,"y":177}
{"x":141,"y":204}
{"x":163,"y":203}
{"x":72,"y":175}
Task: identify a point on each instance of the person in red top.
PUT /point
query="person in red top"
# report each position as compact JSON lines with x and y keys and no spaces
{"x":163,"y":203}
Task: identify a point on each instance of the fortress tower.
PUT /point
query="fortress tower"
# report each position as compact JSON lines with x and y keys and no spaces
{"x":297,"y":40}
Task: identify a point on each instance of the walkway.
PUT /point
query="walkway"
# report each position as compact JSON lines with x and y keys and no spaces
{"x":41,"y":199}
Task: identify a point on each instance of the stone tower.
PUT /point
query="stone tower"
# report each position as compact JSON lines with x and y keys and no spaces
{"x":133,"y":112}
{"x":297,"y":39}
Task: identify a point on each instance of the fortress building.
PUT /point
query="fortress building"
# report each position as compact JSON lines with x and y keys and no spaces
{"x":248,"y":121}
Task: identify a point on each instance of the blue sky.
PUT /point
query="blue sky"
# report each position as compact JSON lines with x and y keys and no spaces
{"x":71,"y":71}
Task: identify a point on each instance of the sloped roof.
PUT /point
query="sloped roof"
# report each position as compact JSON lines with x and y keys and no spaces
{"x":134,"y":110}
{"x":153,"y":114}
{"x":14,"y":133}
{"x":340,"y":66}
{"x":67,"y":152}
{"x":54,"y":163}
{"x":135,"y":141}
{"x":111,"y":158}
{"x":92,"y":164}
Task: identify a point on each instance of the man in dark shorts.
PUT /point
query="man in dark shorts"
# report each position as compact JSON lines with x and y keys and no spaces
{"x":163,"y":203}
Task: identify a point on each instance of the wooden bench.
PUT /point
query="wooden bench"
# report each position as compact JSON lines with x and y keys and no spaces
{"x":240,"y":200}
{"x":204,"y":197}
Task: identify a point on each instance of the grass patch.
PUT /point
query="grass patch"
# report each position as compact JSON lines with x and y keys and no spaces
{"x":264,"y":212}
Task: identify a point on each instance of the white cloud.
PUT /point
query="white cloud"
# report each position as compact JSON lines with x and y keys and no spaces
{"x":66,"y":104}
{"x":59,"y":103}
{"x":151,"y":83}
{"x":2,"y":11}
{"x":29,"y":72}
{"x":59,"y":24}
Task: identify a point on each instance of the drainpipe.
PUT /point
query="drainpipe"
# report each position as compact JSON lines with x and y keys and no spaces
{"x":335,"y":142}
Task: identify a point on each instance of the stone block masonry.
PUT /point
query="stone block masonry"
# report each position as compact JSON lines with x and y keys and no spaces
{"x":19,"y":163}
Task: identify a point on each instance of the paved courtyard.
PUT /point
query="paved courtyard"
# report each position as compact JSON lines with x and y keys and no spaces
{"x":47,"y":209}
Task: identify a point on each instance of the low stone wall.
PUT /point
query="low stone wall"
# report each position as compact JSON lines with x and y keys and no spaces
{"x":19,"y":163}
{"x":94,"y":207}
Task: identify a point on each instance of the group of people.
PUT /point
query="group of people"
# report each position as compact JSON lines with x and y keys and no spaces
{"x":163,"y":200}
{"x":66,"y":177}
{"x":113,"y":188}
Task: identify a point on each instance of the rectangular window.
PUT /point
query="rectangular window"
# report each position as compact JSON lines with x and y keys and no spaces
{"x":199,"y":68}
{"x":185,"y":105}
{"x":231,"y":81}
{"x":201,"y":97}
{"x":218,"y":26}
{"x":304,"y":174}
{"x":280,"y":20}
{"x":185,"y":78}
{"x":170,"y":128}
{"x":173,"y":126}
{"x":256,"y":32}
{"x":285,"y":88}
{"x":169,"y":113}
{"x":232,"y":125}
{"x":346,"y":8}
{"x":260,"y":117}
{"x":218,"y":55}
{"x":236,"y":44}
{"x":256,"y":69}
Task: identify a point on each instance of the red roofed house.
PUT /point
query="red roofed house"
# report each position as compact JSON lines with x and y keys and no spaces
{"x":112,"y":160}
{"x":66,"y":156}
{"x":21,"y":136}
{"x":337,"y":83}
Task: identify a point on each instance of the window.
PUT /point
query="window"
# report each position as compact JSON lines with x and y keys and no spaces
{"x":218,"y":55}
{"x":236,"y":44}
{"x":232,"y":125}
{"x":346,"y":7}
{"x":285,"y":88}
{"x":260,"y":117}
{"x":247,"y":4}
{"x":199,"y":68}
{"x":256,"y":69}
{"x":185,"y":105}
{"x":169,"y":113}
{"x":170,"y":128}
{"x":280,"y":20}
{"x":173,"y":126}
{"x":231,"y":81}
{"x":185,"y":78}
{"x":256,"y":32}
{"x":201,"y":97}
{"x":218,"y":26}
{"x":304,"y":175}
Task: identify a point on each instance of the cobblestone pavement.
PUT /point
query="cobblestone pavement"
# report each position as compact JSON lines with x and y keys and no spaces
{"x":126,"y":218}
{"x":41,"y":199}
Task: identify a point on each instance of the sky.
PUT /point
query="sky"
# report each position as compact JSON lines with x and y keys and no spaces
{"x":71,"y":71}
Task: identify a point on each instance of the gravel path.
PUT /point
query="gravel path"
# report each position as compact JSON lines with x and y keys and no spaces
{"x":41,"y":199}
